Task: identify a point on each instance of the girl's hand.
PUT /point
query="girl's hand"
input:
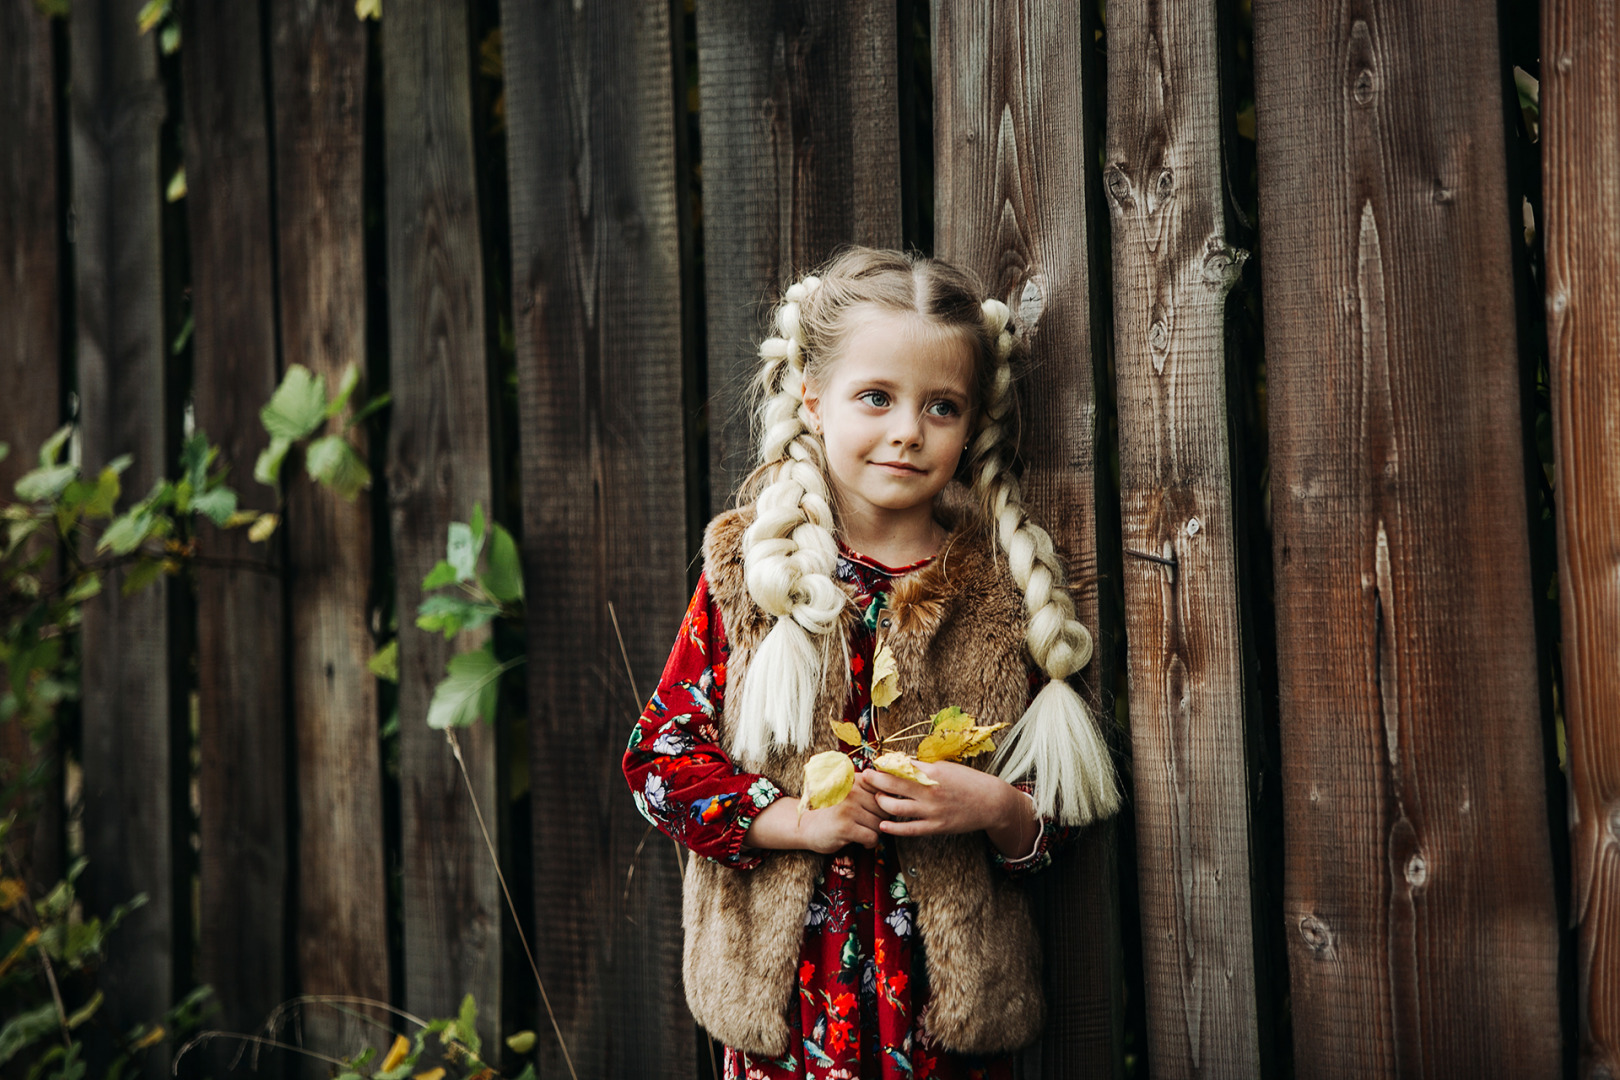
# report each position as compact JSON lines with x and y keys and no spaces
{"x":854,"y":821}
{"x":965,"y":800}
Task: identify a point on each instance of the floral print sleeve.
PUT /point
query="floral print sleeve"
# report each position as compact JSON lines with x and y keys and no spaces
{"x":682,"y":781}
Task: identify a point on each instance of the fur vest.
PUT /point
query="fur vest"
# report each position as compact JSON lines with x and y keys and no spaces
{"x":957,"y":630}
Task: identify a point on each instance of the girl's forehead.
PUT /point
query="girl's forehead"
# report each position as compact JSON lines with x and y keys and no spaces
{"x":880,"y":338}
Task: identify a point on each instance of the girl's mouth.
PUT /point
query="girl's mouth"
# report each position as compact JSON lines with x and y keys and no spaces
{"x":898,"y":467}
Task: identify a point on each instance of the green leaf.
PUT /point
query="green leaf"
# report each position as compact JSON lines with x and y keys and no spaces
{"x":5,"y":451}
{"x":88,"y":1010}
{"x":177,"y":186}
{"x":505,"y":578}
{"x":170,"y":39}
{"x":195,"y":457}
{"x":469,"y":691}
{"x":267,"y":470}
{"x":142,"y":574}
{"x":350,"y":380}
{"x":103,"y":498}
{"x":183,"y":338}
{"x":376,"y":404}
{"x":467,"y":1025}
{"x":25,"y":1029}
{"x":218,"y":505}
{"x":441,"y":575}
{"x":384,"y":663}
{"x":461,"y":550}
{"x":54,"y":9}
{"x":125,"y":534}
{"x":333,"y":462}
{"x":477,"y":526}
{"x":46,"y":482}
{"x":152,"y":14}
{"x":52,"y":447}
{"x":298,"y":406}
{"x":87,"y":586}
{"x":452,"y":614}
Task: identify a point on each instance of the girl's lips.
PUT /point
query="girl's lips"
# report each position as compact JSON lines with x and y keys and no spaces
{"x":898,"y":467}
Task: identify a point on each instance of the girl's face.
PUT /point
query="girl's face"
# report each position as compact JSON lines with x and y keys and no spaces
{"x":894,"y":409}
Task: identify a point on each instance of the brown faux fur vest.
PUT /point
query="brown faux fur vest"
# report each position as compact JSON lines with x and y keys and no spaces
{"x":957,"y":631}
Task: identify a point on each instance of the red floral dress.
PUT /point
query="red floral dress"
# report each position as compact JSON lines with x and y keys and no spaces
{"x":862,"y":976}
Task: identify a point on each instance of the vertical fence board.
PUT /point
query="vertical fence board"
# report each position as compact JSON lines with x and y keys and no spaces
{"x":319,"y":63}
{"x":241,"y":670}
{"x":438,"y":467}
{"x":30,"y":340}
{"x":801,"y":132}
{"x":117,"y":108}
{"x":1012,"y":150}
{"x":1172,"y":270}
{"x":1421,"y":922}
{"x":1580,"y":102}
{"x":597,"y":302}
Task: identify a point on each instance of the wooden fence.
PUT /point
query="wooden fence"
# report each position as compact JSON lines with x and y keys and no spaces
{"x":1359,"y":689}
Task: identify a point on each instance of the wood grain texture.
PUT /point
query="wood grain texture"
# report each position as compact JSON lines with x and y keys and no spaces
{"x":597,"y":286}
{"x":1012,"y":201}
{"x":1173,"y":268}
{"x":30,"y":342}
{"x":438,"y":467}
{"x":318,"y":51}
{"x":241,"y":661}
{"x":801,"y":132}
{"x":126,"y":704}
{"x":1419,"y":900}
{"x":1580,"y":139}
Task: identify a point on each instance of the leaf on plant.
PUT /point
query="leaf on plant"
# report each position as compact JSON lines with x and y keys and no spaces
{"x":12,"y":890}
{"x":521,"y":1042}
{"x":125,"y":534}
{"x":346,"y":385}
{"x":87,"y":1010}
{"x":218,"y":505}
{"x":241,"y":518}
{"x":195,"y":457}
{"x":885,"y":678}
{"x":902,"y":765}
{"x":103,"y":499}
{"x":505,"y":578}
{"x":368,"y":9}
{"x":828,"y":779}
{"x":384,"y":663}
{"x":267,"y":468}
{"x":469,"y":691}
{"x":396,"y":1053}
{"x":51,"y":448}
{"x":177,"y":186}
{"x":462,"y":548}
{"x":263,"y":527}
{"x":951,"y":718}
{"x":46,"y":482}
{"x":848,"y":732}
{"x":25,"y":1029}
{"x":467,"y":1025}
{"x":87,"y":586}
{"x":142,"y":574}
{"x":452,"y":614}
{"x":5,"y":451}
{"x":170,"y":39}
{"x":150,"y":1039}
{"x":151,"y":14}
{"x":333,"y":462}
{"x":298,"y":405}
{"x":431,"y":1074}
{"x":441,"y":575}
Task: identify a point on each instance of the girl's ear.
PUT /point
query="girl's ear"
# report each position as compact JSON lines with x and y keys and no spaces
{"x":812,"y":404}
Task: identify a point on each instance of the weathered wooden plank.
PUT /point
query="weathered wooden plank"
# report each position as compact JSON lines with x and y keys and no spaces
{"x":1173,"y":267}
{"x":1580,"y":146}
{"x":438,"y":467}
{"x":597,"y":291}
{"x":801,"y":132}
{"x":241,"y":668}
{"x":318,"y":60}
{"x":30,"y":337}
{"x":127,"y":707}
{"x":1012,"y":145}
{"x":1419,"y":900}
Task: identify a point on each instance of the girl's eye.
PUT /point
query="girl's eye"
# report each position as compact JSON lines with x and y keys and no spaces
{"x":875,"y":398}
{"x":942,"y":408}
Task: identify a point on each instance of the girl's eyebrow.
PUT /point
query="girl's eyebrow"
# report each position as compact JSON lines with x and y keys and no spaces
{"x":932,"y":392}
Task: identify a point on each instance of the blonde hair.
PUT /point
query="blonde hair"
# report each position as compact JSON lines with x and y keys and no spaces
{"x":790,"y":554}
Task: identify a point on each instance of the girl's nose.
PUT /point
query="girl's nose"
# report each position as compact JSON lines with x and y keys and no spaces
{"x":907,"y":429}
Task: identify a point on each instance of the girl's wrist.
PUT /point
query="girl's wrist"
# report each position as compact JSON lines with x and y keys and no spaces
{"x":776,"y":829}
{"x":1018,"y":828}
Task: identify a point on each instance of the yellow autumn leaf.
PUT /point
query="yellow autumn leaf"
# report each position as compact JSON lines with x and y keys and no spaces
{"x":396,"y":1054}
{"x":12,"y":890}
{"x":262,"y":528}
{"x":904,"y":766}
{"x":828,"y":778}
{"x":431,"y":1074}
{"x":21,"y":947}
{"x":956,"y":737}
{"x":847,"y":732}
{"x":151,"y":1038}
{"x":368,"y":9}
{"x":885,"y":678}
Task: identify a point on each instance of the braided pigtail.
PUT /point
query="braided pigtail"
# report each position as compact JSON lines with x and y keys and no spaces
{"x":1056,"y":740}
{"x":789,"y":555}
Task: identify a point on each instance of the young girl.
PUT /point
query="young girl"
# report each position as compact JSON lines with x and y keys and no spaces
{"x":885,"y":936}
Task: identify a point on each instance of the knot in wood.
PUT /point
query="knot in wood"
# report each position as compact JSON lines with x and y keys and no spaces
{"x":1417,"y":872}
{"x":1316,"y":935}
{"x":1119,"y":186}
{"x":1223,"y":265}
{"x":1364,"y":87}
{"x":1159,"y":336}
{"x":1166,"y":185}
{"x":1614,"y":823}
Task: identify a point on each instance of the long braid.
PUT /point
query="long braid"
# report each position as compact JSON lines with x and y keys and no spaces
{"x":1056,"y":740}
{"x":789,"y":554}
